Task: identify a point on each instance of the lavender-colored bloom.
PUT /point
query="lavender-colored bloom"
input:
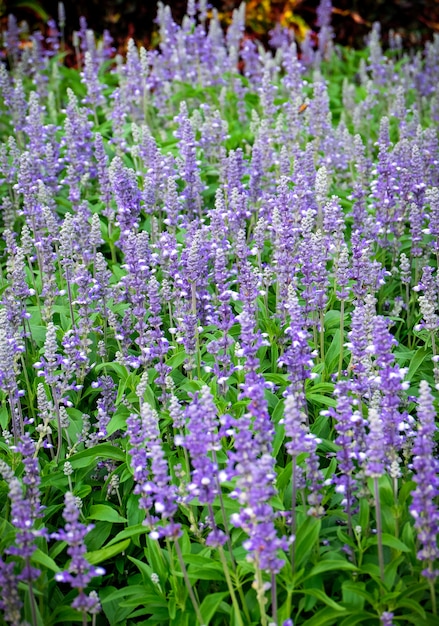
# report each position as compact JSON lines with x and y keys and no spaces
{"x":188,"y":164}
{"x":386,"y":618}
{"x":298,"y":356}
{"x":252,"y":462}
{"x":127,"y":196}
{"x":432,"y":197}
{"x":10,"y":349}
{"x":105,"y":407}
{"x":426,"y":477}
{"x":387,"y":381}
{"x":151,"y":475}
{"x":77,"y":141}
{"x":89,"y":77}
{"x":428,"y":302}
{"x":202,"y":442}
{"x":349,"y":425}
{"x":10,"y":602}
{"x":375,"y":450}
{"x":326,"y":34}
{"x":302,"y":441}
{"x":80,"y":572}
{"x":25,"y":508}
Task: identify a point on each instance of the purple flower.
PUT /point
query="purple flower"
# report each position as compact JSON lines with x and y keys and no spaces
{"x":80,"y":571}
{"x":386,"y":618}
{"x":10,"y":602}
{"x":202,"y":442}
{"x":25,"y":508}
{"x":151,"y":474}
{"x":426,"y":476}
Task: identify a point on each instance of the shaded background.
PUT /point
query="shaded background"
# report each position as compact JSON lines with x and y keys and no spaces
{"x":415,"y":20}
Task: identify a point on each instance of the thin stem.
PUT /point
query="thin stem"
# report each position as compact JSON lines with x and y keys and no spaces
{"x":432,"y":593}
{"x":197,"y":337}
{"x":33,"y":607}
{"x":58,"y":422}
{"x":230,"y":586}
{"x":188,"y":583}
{"x":274,"y":598}
{"x":260,"y":594}
{"x":379,"y":528}
{"x":340,"y":358}
{"x":293,"y":512}
{"x":322,"y":337}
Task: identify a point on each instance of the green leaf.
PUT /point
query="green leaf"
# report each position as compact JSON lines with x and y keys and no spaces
{"x":306,"y":538}
{"x":203,"y":568}
{"x":36,"y":7}
{"x":361,"y":617}
{"x":131,"y":590}
{"x":390,"y":541}
{"x":210,"y":605}
{"x":357,"y":589}
{"x":118,"y":420}
{"x":317,"y":398}
{"x":132,"y":531}
{"x":321,"y":595}
{"x":44,"y":559}
{"x":176,"y":360}
{"x":143,"y":568}
{"x":105,"y":513}
{"x":154,"y":555}
{"x":329,"y":566}
{"x":90,"y":455}
{"x":407,"y":603}
{"x":107,"y":552}
{"x":416,"y":362}
{"x":326,"y":617}
{"x":121,"y":370}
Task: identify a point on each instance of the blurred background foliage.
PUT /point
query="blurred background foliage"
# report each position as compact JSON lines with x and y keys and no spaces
{"x":414,"y":20}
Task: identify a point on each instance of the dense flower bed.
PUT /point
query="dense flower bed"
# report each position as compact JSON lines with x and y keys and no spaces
{"x":219,"y":311}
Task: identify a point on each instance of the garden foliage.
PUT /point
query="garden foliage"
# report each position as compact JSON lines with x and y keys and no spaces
{"x":218,"y":330}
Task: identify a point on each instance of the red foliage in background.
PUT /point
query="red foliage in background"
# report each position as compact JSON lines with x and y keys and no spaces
{"x":414,"y":20}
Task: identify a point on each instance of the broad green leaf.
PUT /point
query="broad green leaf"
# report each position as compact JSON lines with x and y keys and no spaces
{"x":318,"y":398}
{"x":361,"y":617}
{"x":329,"y":566}
{"x":131,"y":590}
{"x":91,"y":455}
{"x":321,"y":595}
{"x":416,"y":362}
{"x":306,"y":538}
{"x":105,"y":513}
{"x":98,"y":556}
{"x":326,"y":617}
{"x":176,"y":360}
{"x":408,"y":603}
{"x":358,"y":589}
{"x":390,"y":541}
{"x":44,"y":559}
{"x":132,"y":531}
{"x":210,"y":605}
{"x":202,"y":568}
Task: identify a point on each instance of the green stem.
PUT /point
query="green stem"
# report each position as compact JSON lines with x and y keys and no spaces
{"x":260,"y":594}
{"x":340,"y":358}
{"x":33,"y":606}
{"x":188,"y":583}
{"x":379,"y":527}
{"x":322,"y":337}
{"x":432,"y":593}
{"x":274,"y":598}
{"x":230,"y":586}
{"x":293,"y":513}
